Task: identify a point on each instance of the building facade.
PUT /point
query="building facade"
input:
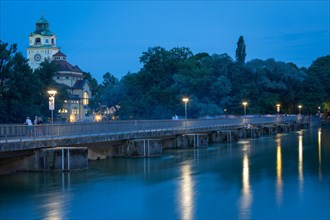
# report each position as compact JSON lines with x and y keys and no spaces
{"x":42,"y":46}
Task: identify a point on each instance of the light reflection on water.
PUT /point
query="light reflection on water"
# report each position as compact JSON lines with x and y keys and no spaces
{"x":319,"y":141}
{"x":186,"y":192}
{"x":279,"y":181}
{"x":300,"y":161}
{"x":281,"y":177}
{"x":246,"y":197}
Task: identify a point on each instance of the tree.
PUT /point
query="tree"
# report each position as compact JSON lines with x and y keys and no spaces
{"x":112,"y":91}
{"x":240,"y":50}
{"x":320,"y":69}
{"x":17,"y":86}
{"x":315,"y":90}
{"x":96,"y":91}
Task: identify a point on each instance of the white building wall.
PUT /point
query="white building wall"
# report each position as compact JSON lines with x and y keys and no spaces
{"x":45,"y":50}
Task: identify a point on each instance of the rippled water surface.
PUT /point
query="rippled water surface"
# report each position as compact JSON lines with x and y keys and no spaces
{"x":278,"y":177}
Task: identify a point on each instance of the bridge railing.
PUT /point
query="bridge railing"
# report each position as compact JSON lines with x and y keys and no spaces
{"x":9,"y":132}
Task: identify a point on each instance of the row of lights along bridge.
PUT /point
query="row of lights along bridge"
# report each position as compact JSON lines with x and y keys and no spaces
{"x":52,"y":94}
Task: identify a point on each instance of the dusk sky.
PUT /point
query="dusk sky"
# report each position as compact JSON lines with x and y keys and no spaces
{"x":110,"y":36}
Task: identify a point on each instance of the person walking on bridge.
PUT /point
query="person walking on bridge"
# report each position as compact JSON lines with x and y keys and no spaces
{"x":28,"y":122}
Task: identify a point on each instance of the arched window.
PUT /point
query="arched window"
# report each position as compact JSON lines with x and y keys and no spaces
{"x":37,"y":41}
{"x":85,"y":98}
{"x":53,"y":41}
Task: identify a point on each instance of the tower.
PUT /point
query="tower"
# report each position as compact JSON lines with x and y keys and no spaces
{"x":42,"y":44}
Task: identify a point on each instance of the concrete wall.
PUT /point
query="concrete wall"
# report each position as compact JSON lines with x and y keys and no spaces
{"x":58,"y":159}
{"x":140,"y":148}
{"x":192,"y":141}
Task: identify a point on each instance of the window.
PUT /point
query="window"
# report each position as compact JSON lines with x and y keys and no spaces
{"x":37,"y":41}
{"x":47,"y":41}
{"x":75,"y":111}
{"x":53,"y":42}
{"x":85,"y":98}
{"x":63,"y":110}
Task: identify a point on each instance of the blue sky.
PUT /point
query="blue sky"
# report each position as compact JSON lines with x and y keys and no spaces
{"x":110,"y":36}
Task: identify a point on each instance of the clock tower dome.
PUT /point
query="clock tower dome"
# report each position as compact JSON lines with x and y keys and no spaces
{"x":42,"y":44}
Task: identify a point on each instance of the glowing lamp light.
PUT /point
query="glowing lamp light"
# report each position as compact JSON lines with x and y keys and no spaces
{"x":98,"y":118}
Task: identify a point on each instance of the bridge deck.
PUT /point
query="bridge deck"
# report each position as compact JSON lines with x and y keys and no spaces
{"x":20,"y":137}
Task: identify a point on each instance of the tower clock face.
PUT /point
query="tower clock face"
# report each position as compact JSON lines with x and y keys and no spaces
{"x":37,"y":57}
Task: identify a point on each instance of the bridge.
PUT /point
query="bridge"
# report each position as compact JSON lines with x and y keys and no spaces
{"x":112,"y":138}
{"x":23,"y":137}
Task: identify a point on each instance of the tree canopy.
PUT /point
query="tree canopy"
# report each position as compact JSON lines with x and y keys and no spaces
{"x":240,"y":50}
{"x":23,"y":92}
{"x":215,"y":84}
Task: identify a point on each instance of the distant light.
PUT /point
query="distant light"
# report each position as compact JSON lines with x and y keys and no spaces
{"x":245,"y":103}
{"x":98,"y":118}
{"x":52,"y":92}
{"x":72,"y":118}
{"x":185,"y":100}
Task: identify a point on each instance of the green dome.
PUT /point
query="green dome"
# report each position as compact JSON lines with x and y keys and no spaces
{"x":42,"y":20}
{"x":42,"y":27}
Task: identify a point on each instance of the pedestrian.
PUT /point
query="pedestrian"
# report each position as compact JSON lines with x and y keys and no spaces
{"x":28,"y":122}
{"x":35,"y":122}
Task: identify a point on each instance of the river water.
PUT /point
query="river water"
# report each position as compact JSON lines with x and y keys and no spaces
{"x":286,"y":176}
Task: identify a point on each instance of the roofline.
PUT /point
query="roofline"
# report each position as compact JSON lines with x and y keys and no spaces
{"x":70,"y":73}
{"x":48,"y":46}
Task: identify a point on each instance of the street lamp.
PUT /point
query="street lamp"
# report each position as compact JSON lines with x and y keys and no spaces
{"x":185,"y":100}
{"x":244,"y":104}
{"x":278,"y":108}
{"x":52,"y":94}
{"x":300,"y":106}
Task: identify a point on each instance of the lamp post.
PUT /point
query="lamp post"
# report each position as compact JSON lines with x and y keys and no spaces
{"x":52,"y":94}
{"x":278,"y":108}
{"x":185,"y":100}
{"x":300,"y":106}
{"x":244,"y":104}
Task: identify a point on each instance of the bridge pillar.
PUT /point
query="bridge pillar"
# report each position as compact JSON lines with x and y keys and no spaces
{"x":140,"y":148}
{"x":253,"y":132}
{"x":59,"y":159}
{"x":192,"y":141}
{"x":219,"y":136}
{"x":270,"y":129}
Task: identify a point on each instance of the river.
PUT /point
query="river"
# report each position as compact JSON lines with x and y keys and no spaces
{"x":286,"y":176}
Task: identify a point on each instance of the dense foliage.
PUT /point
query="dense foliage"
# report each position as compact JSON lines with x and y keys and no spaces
{"x":215,"y":84}
{"x":23,"y":92}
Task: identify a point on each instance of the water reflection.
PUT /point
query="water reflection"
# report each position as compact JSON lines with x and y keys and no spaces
{"x":146,"y":166}
{"x":300,"y":161}
{"x":279,"y":181}
{"x":186,"y":193}
{"x":319,"y":136}
{"x":237,"y":181}
{"x":246,"y":193}
{"x":54,"y":207}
